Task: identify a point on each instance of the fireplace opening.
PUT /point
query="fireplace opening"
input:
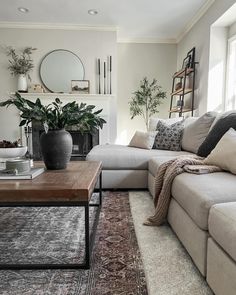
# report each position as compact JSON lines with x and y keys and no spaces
{"x":82,"y":142}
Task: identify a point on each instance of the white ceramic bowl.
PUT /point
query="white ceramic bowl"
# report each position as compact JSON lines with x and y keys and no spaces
{"x":16,"y":152}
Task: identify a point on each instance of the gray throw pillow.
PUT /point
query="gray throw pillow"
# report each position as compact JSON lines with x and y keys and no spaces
{"x":219,"y":129}
{"x":169,"y":136}
{"x":196,"y":130}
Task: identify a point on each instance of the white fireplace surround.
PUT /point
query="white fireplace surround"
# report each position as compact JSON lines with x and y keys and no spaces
{"x":106,"y":102}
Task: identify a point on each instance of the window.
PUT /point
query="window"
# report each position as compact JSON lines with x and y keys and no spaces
{"x":230,"y":97}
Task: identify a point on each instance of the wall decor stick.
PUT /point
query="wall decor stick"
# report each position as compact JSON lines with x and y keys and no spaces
{"x":104,"y":77}
{"x":110,"y":69}
{"x":99,"y":76}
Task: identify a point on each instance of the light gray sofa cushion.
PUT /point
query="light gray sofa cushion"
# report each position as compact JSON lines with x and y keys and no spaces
{"x":196,"y":130}
{"x":221,"y":270}
{"x":121,"y":157}
{"x":154,"y":163}
{"x":222,"y":226}
{"x":197,"y":193}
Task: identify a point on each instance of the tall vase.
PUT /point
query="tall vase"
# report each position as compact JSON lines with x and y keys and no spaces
{"x":56,"y":148}
{"x":22,"y":83}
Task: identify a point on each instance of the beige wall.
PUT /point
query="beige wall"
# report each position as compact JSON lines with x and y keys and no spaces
{"x":199,"y":36}
{"x":88,"y":45}
{"x":232,"y":30}
{"x":135,"y":61}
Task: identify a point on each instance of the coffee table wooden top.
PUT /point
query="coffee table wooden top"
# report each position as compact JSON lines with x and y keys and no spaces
{"x":76,"y":183}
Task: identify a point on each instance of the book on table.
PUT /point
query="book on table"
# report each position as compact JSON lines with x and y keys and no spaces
{"x":34,"y":172}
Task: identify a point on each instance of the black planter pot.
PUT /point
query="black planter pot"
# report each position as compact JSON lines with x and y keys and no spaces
{"x":56,"y":148}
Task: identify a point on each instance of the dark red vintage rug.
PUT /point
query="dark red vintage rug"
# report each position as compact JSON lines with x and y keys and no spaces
{"x":56,"y":234}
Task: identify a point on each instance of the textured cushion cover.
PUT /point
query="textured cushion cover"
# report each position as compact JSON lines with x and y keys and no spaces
{"x":222,"y":226}
{"x":169,"y":136}
{"x":224,"y":154}
{"x":153,"y":122}
{"x":143,"y":140}
{"x":197,"y":193}
{"x":124,"y":157}
{"x":219,"y":129}
{"x":196,"y":130}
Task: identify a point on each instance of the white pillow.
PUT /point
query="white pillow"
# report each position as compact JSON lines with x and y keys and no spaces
{"x":143,"y":140}
{"x":224,"y":154}
{"x":153,"y":122}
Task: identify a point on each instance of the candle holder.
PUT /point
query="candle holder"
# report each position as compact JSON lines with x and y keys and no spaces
{"x":28,"y":137}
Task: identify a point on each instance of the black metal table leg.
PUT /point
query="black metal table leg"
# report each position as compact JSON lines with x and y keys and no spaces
{"x":87,"y":245}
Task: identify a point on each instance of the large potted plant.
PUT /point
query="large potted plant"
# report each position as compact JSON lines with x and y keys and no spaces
{"x":20,"y":65}
{"x":56,"y":142}
{"x":146,"y":100}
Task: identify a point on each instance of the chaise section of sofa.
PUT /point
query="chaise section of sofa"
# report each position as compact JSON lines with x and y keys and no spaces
{"x":221,"y":250}
{"x":126,"y":167}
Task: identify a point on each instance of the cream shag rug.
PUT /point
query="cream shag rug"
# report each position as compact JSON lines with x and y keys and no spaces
{"x":168,"y":268}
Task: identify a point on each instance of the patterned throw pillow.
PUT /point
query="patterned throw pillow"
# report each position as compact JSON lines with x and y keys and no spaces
{"x":169,"y":136}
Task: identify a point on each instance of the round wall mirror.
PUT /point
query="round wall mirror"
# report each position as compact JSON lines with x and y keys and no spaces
{"x":58,"y":68}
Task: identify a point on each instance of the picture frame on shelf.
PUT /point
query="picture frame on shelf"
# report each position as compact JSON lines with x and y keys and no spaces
{"x":186,"y":62}
{"x":80,"y":86}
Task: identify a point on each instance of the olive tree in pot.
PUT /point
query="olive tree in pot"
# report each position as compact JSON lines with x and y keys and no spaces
{"x":146,"y":100}
{"x":56,"y":142}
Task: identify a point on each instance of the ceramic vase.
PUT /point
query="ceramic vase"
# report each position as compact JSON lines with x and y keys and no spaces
{"x":22,"y":83}
{"x":56,"y":148}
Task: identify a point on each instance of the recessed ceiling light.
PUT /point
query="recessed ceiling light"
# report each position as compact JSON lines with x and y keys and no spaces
{"x":23,"y":9}
{"x":92,"y":12}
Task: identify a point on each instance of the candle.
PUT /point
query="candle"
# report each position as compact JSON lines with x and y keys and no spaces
{"x":99,"y":66}
{"x":110,"y":63}
{"x":104,"y":69}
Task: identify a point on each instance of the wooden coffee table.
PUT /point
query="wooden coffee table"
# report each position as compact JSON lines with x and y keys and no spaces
{"x":73,"y":186}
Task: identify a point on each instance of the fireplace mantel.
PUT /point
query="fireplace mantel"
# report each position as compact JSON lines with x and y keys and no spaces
{"x":107,"y":102}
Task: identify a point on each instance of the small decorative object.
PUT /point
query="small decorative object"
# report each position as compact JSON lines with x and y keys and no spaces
{"x":20,"y":65}
{"x":179,"y":103}
{"x":80,"y":86}
{"x":56,"y":142}
{"x":35,"y":88}
{"x":178,"y":86}
{"x":146,"y":100}
{"x":104,"y":72}
{"x":10,"y":149}
{"x":28,"y":136}
{"x":186,"y":62}
{"x":99,"y":76}
{"x":18,"y":166}
{"x":110,"y":69}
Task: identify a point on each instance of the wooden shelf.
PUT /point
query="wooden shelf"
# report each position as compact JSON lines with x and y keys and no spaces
{"x":178,"y":110}
{"x":181,"y":73}
{"x":182,"y":92}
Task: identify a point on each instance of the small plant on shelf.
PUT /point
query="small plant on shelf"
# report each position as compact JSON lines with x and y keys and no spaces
{"x":20,"y":63}
{"x":146,"y":100}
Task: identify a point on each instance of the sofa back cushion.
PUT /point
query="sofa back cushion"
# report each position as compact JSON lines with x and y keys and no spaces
{"x":169,"y":136}
{"x":196,"y":130}
{"x":224,"y":154}
{"x":153,"y":122}
{"x":220,"y":128}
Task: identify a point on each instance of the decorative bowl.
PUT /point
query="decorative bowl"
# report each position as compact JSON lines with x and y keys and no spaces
{"x":14,"y":152}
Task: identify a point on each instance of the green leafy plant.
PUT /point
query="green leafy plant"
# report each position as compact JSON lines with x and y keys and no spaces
{"x":56,"y":115}
{"x":20,"y":63}
{"x":146,"y":100}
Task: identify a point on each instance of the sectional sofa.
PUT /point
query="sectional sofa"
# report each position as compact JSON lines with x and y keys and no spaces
{"x":202,"y":211}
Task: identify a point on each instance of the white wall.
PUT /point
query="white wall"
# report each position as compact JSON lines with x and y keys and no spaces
{"x":88,"y":45}
{"x":135,"y":61}
{"x":232,"y":30}
{"x":199,"y":36}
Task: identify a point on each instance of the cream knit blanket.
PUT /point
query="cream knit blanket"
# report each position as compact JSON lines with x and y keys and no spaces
{"x":164,"y":178}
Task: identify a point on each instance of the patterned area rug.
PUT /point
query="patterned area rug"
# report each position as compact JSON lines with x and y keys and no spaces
{"x":56,"y":235}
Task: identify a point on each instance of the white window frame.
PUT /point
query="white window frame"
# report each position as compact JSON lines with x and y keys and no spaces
{"x":227,"y":80}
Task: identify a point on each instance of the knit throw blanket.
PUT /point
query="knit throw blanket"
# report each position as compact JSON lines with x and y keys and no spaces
{"x":163,"y":182}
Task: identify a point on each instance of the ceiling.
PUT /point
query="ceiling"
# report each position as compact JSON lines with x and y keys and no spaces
{"x":161,"y":20}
